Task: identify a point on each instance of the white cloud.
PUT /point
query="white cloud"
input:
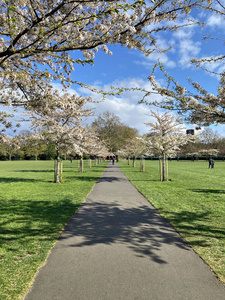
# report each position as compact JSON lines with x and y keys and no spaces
{"x":154,"y":58}
{"x":215,"y":21}
{"x":188,"y":49}
{"x":183,"y":33}
{"x":126,"y":106}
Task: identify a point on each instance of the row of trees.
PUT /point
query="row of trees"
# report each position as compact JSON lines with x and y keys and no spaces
{"x":113,"y":134}
{"x":59,"y":132}
{"x":58,"y":124}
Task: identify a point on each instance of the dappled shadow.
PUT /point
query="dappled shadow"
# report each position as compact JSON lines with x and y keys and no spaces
{"x":208,"y":191}
{"x":82,"y":178}
{"x":33,"y":220}
{"x":195,"y":224}
{"x":140,"y":228}
{"x":34,"y":171}
{"x":17,"y":179}
{"x":152,"y":180}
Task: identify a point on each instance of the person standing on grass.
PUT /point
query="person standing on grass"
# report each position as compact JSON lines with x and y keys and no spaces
{"x":212,"y":165}
{"x":210,"y":162}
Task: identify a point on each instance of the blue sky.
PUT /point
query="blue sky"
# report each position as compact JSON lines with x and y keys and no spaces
{"x":130,"y":68}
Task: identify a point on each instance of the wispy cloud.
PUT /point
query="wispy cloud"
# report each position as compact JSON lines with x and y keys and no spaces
{"x":215,"y":21}
{"x":154,"y":58}
{"x":188,"y":49}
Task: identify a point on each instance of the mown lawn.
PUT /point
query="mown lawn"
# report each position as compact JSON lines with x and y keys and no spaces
{"x":193,"y":201}
{"x":33,"y":212}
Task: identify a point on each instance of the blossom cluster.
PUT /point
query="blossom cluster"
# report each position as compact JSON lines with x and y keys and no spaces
{"x":166,"y":135}
{"x":59,"y":121}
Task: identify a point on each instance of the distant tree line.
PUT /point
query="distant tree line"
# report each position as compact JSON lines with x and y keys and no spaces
{"x":107,"y":127}
{"x":115,"y":135}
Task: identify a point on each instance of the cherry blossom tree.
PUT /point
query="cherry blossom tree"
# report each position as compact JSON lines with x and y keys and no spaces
{"x":60,"y":120}
{"x":44,"y":40}
{"x":94,"y":146}
{"x":165,"y":138}
{"x":133,"y":148}
{"x":91,"y":145}
{"x":11,"y":145}
{"x":31,"y":144}
{"x":195,"y":104}
{"x":201,"y":108}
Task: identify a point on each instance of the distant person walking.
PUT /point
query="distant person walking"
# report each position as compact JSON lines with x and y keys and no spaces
{"x":113,"y":160}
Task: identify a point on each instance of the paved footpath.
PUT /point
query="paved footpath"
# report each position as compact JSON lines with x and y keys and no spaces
{"x":117,"y":247}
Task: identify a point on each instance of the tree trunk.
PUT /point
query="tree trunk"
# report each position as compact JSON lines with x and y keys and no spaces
{"x":61,"y":170}
{"x":164,"y":169}
{"x":134,"y":160}
{"x":57,"y":169}
{"x":89,"y":163}
{"x":142,"y":165}
{"x":128,"y":160}
{"x":160,"y":168}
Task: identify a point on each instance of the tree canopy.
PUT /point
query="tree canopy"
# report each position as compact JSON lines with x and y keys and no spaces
{"x":196,"y":104}
{"x":38,"y":38}
{"x":110,"y":130}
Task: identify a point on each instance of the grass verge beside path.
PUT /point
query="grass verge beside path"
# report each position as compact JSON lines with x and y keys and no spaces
{"x":33,"y":211}
{"x":193,"y":202}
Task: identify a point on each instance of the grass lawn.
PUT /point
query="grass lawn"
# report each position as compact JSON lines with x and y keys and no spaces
{"x":193,"y":202}
{"x":33,"y":212}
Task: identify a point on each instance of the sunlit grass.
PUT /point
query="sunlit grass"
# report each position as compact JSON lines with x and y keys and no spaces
{"x":33,"y":211}
{"x":193,"y":201}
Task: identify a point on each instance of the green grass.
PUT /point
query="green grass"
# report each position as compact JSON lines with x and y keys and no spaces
{"x":193,"y":201}
{"x":33,"y":212}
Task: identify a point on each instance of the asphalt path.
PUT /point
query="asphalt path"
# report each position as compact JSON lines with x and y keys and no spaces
{"x":117,"y":247}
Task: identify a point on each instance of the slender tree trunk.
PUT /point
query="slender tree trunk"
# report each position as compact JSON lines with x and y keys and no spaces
{"x":164,"y":168}
{"x":61,"y":170}
{"x":160,"y":168}
{"x":89,"y":163}
{"x":57,"y":169}
{"x":134,"y":160}
{"x":128,"y":160}
{"x":167,"y":174}
{"x":142,"y":165}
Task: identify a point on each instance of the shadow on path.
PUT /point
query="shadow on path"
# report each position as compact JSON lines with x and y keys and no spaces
{"x":140,"y":228}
